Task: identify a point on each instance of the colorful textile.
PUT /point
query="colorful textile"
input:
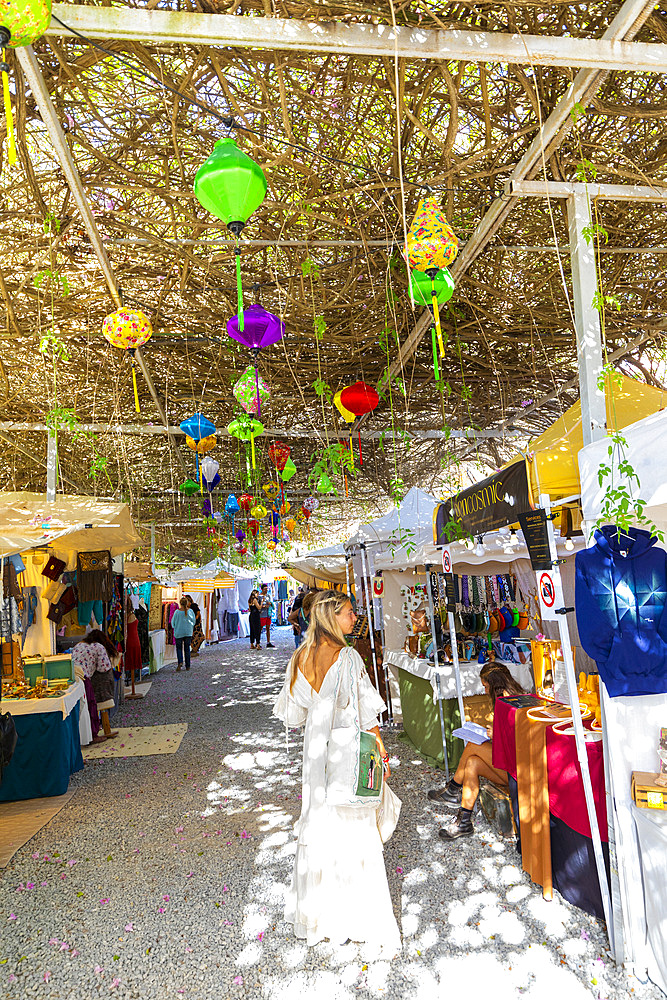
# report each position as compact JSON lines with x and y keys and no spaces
{"x":566,"y":790}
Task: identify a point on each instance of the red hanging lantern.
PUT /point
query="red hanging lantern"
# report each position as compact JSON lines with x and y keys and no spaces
{"x":305,"y":512}
{"x":279,"y":452}
{"x":245,"y":502}
{"x":359,"y":398}
{"x":253,"y":527}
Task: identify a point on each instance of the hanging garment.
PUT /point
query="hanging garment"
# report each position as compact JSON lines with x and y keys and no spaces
{"x":339,"y":864}
{"x":621,"y":605}
{"x":29,"y":611}
{"x":94,"y":576}
{"x":144,"y":639}
{"x":133,"y":647}
{"x":89,"y":610}
{"x":282,"y":590}
{"x":10,"y":619}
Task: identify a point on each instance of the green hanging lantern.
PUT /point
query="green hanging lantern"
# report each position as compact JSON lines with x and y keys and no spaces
{"x":288,"y":471}
{"x":189,"y":488}
{"x":231,"y":186}
{"x":421,"y":287}
{"x":21,"y":24}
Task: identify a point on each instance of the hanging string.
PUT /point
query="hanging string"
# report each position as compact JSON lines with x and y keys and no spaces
{"x":7,"y":100}
{"x":239,"y":291}
{"x":134,"y":384}
{"x":436,"y":313}
{"x":361,"y":457}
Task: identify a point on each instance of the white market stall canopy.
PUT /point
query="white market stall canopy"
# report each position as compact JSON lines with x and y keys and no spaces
{"x":409,"y":524}
{"x":644,"y":451}
{"x":69,"y":525}
{"x":216,"y":574}
{"x":327,"y":565}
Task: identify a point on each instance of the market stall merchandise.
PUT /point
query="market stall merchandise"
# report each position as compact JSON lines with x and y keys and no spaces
{"x":49,"y":747}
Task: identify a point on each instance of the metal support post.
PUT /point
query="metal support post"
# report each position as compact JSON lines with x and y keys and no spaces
{"x":436,"y":664}
{"x":582,"y":753}
{"x":51,"y":466}
{"x":587,"y":317}
{"x":455,"y":661}
{"x":369,"y":610}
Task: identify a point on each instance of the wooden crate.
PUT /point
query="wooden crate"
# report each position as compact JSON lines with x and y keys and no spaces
{"x":645,"y":792}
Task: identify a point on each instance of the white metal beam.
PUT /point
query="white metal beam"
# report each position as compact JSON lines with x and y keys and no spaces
{"x":562,"y":189}
{"x":379,"y":40}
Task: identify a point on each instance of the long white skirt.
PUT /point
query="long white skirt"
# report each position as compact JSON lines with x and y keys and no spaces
{"x":339,"y":886}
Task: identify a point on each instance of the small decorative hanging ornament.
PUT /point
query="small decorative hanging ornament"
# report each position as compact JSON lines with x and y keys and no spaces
{"x":258,"y":512}
{"x":245,"y":502}
{"x":347,"y":416}
{"x":188,"y":488}
{"x":288,"y":471}
{"x":253,"y":527}
{"x":20,"y":24}
{"x":245,"y":428}
{"x":240,"y":535}
{"x":359,"y":398}
{"x":279,"y":452}
{"x":290,"y":524}
{"x":127,"y":329}
{"x":200,"y":437}
{"x":209,"y":469}
{"x":304,"y":512}
{"x":232,"y":506}
{"x":272,"y":490}
{"x":285,"y":508}
{"x":231,"y":186}
{"x":240,"y":548}
{"x":259,"y":329}
{"x":311,"y":504}
{"x":271,"y":546}
{"x":251,"y":391}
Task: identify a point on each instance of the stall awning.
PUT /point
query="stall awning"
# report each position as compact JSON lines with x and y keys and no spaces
{"x":553,"y":466}
{"x":71,"y":524}
{"x":320,"y":568}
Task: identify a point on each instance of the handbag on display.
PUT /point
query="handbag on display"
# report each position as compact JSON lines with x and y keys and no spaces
{"x":411,"y":645}
{"x":66,"y":602}
{"x":94,"y":576}
{"x":54,"y":568}
{"x":12,"y":662}
{"x":388,"y":812}
{"x":419,"y":620}
{"x":10,"y":583}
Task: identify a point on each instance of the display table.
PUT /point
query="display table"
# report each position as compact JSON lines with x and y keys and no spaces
{"x":468,"y":670}
{"x":572,"y":858}
{"x":158,"y":644}
{"x":48,"y":750}
{"x":244,"y":624}
{"x":421,"y":719}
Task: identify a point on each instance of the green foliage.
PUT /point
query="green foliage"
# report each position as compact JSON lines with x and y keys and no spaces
{"x":333,"y":459}
{"x":62,"y":418}
{"x":577,"y":111}
{"x":397,"y":490}
{"x":595,"y":231}
{"x":310,"y":269}
{"x":320,"y":326}
{"x":620,"y":506}
{"x":609,"y":376}
{"x":600,"y":301}
{"x":402,"y":538}
{"x":323,"y":388}
{"x":55,"y":278}
{"x":51,"y":343}
{"x":586,"y":171}
{"x":466,"y":392}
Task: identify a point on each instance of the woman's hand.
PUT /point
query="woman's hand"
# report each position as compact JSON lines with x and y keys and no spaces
{"x":489,"y":731}
{"x":382,"y":751}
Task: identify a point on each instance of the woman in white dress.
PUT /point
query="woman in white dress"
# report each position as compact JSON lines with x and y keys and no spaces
{"x":339,"y":887}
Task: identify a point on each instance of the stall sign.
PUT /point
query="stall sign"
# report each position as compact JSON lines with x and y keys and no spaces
{"x":378,"y":586}
{"x":536,"y":536}
{"x":446,"y":560}
{"x":490,"y":504}
{"x":550,"y":593}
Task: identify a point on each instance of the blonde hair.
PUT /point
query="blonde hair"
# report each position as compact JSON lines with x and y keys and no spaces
{"x":322,"y":624}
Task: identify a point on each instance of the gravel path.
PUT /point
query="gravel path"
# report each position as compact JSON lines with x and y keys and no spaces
{"x":164,"y":876}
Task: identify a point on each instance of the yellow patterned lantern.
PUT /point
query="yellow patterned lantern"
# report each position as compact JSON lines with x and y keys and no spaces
{"x":271,"y":490}
{"x":127,"y":329}
{"x":431,"y":241}
{"x":258,"y":512}
{"x":290,"y":524}
{"x":270,"y":546}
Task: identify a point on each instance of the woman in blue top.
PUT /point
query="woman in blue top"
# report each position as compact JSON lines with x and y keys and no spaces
{"x":183,"y":624}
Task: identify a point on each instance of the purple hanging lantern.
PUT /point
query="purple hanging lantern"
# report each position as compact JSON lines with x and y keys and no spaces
{"x":260,"y":329}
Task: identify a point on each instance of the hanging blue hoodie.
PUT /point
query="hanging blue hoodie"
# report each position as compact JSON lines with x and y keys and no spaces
{"x":621,"y":599}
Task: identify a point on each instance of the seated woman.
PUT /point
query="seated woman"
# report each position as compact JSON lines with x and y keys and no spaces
{"x":475,"y":760}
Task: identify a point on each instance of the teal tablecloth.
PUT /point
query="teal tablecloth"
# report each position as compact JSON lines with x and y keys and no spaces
{"x":47,"y":753}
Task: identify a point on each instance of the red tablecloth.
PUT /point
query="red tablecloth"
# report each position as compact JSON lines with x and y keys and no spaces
{"x":566,"y":789}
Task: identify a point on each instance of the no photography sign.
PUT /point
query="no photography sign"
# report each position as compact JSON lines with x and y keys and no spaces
{"x":550,"y":593}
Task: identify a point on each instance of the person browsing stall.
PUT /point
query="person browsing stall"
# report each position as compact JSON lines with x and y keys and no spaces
{"x":266,"y":609}
{"x":183,"y":623}
{"x":475,"y":763}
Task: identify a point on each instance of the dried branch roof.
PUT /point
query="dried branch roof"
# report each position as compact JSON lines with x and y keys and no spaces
{"x":349,"y":178}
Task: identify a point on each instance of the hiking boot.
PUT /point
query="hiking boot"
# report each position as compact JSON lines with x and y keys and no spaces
{"x":449,"y":795}
{"x":461,"y":827}
{"x":270,"y":645}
